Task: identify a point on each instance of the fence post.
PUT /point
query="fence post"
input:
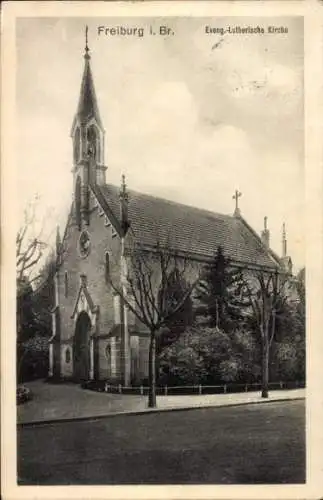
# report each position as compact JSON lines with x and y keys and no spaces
{"x":165,"y":390}
{"x":225,"y":389}
{"x":120,"y":389}
{"x":141,"y":390}
{"x":200,"y":389}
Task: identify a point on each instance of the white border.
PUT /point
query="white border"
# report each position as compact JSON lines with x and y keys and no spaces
{"x":312,"y":11}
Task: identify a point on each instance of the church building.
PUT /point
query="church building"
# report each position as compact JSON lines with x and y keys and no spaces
{"x":93,"y":337}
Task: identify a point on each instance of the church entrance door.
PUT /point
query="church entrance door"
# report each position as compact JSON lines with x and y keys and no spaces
{"x":81,"y":348}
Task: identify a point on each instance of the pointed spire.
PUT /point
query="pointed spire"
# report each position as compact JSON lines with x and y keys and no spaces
{"x":286,"y":259}
{"x":124,"y":199}
{"x":123,"y":190}
{"x":265,"y":234}
{"x":87,"y":50}
{"x":58,"y":242}
{"x":284,"y":241}
{"x":87,"y":105}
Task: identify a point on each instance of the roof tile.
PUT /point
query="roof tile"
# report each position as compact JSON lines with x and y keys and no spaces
{"x":190,"y":229}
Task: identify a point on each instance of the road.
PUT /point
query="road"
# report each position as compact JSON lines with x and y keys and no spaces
{"x":251,"y":444}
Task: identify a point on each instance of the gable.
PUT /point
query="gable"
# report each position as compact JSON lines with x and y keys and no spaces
{"x":104,"y":208}
{"x":84,"y":303}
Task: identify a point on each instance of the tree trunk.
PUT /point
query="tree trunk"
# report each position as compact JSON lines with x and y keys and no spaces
{"x":265,"y":367}
{"x":152,"y":371}
{"x":21,"y":355}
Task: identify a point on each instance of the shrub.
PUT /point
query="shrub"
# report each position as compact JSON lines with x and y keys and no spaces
{"x":204,"y":355}
{"x":94,"y":385}
{"x":23,"y":394}
{"x":32,"y":358}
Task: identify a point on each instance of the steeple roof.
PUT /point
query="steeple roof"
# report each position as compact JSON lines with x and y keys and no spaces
{"x":87,"y":106}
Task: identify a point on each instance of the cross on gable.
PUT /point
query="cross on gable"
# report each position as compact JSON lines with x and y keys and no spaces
{"x":236,"y":197}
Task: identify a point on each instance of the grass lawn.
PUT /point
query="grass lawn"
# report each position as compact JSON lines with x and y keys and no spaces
{"x":250,"y":444}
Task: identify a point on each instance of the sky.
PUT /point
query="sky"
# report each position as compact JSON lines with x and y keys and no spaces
{"x":190,"y":117}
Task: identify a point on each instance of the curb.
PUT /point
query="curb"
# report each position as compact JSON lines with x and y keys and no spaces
{"x":38,"y":423}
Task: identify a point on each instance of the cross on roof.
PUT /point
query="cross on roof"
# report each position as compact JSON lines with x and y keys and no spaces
{"x":236,"y":197}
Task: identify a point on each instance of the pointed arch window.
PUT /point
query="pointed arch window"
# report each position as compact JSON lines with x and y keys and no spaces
{"x":77,"y":145}
{"x":107,"y":267}
{"x":66,"y":284}
{"x":117,"y":309}
{"x":78,"y":202}
{"x":93,"y":142}
{"x":67,"y":356}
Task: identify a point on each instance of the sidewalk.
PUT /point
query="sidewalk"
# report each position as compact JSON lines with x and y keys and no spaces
{"x":69,"y":401}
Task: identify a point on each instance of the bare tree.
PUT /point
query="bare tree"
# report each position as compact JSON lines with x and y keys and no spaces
{"x":147,"y":292}
{"x":30,"y":246}
{"x":267,"y":292}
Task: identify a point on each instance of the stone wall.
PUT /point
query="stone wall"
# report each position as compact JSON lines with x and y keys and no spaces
{"x":93,"y":266}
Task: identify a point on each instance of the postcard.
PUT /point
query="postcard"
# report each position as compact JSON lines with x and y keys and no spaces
{"x":162,"y":194}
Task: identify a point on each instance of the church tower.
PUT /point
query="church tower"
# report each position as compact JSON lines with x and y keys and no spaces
{"x":88,"y":143}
